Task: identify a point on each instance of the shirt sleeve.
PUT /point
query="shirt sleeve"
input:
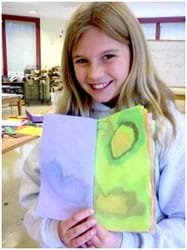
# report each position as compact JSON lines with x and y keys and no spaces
{"x":41,"y":230}
{"x":170,"y":195}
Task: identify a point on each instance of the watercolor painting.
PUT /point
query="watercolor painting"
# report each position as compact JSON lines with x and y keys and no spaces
{"x":66,"y":168}
{"x":106,"y":164}
{"x":122,"y":190}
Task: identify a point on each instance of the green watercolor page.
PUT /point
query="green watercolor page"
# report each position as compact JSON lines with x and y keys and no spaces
{"x":122,"y":191}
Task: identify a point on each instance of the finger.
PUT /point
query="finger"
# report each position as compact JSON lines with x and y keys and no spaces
{"x":78,"y":217}
{"x":81,"y":240}
{"x":89,"y":243}
{"x":101,"y":232}
{"x":81,"y":228}
{"x":95,"y":241}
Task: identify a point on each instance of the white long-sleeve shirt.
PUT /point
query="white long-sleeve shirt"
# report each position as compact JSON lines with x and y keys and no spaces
{"x":169,"y":194}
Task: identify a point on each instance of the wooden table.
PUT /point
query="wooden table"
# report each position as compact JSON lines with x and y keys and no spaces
{"x":12,"y":98}
{"x":10,"y":143}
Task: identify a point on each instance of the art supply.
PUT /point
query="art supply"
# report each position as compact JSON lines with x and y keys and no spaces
{"x":35,"y":118}
{"x":30,"y":130}
{"x":10,"y":131}
{"x":13,"y":122}
{"x":106,"y":164}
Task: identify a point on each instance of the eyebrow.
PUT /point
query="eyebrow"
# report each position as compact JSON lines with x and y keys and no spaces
{"x":102,"y":53}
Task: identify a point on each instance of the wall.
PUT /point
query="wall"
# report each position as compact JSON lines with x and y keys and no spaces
{"x":168,"y":56}
{"x":51,"y":43}
{"x":169,"y":59}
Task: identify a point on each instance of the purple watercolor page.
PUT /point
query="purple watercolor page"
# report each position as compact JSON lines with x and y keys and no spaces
{"x":67,"y":162}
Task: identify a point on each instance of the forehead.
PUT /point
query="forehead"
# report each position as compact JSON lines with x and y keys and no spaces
{"x":94,"y":40}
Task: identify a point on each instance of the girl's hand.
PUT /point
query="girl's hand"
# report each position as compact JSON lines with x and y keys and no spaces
{"x":78,"y":229}
{"x":105,"y":238}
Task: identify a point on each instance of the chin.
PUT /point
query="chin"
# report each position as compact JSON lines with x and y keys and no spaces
{"x":105,"y":100}
{"x":100,"y":100}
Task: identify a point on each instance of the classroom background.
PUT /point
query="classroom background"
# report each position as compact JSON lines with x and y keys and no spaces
{"x":32,"y":39}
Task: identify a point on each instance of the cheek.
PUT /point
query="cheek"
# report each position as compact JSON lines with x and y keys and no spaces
{"x":80,"y":73}
{"x":120,"y":72}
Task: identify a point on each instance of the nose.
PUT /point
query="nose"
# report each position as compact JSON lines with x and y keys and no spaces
{"x":95,"y":72}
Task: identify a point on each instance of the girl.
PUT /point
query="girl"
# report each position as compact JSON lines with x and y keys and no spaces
{"x":106,"y":67}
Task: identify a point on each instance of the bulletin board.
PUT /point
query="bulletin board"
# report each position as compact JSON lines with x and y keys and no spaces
{"x":169,"y":60}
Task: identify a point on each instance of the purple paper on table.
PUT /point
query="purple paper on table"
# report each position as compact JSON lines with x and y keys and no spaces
{"x":35,"y":118}
{"x":66,"y":157}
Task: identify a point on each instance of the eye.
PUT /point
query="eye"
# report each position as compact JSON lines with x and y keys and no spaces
{"x":108,"y":57}
{"x":80,"y":61}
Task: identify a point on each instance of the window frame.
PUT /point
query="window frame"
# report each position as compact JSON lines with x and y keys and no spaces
{"x":159,"y":20}
{"x":4,"y":47}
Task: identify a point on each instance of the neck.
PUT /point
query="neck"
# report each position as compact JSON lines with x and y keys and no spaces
{"x":111,"y":103}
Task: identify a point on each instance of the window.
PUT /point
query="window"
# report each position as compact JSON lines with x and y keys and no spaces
{"x":149,"y":30}
{"x":172,"y":31}
{"x":21,"y":44}
{"x":163,"y":28}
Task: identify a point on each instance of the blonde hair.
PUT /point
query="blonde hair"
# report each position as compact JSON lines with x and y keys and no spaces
{"x":142,"y":86}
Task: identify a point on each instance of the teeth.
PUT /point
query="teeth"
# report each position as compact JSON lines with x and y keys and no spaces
{"x":99,"y":86}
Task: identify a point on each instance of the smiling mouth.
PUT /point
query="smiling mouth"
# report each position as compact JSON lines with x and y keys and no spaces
{"x":100,"y":86}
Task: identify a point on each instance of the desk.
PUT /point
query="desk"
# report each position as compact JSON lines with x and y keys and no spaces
{"x":10,"y":143}
{"x":10,"y":98}
{"x":16,"y":87}
{"x":179,"y":93}
{"x":11,"y":89}
{"x":179,"y":98}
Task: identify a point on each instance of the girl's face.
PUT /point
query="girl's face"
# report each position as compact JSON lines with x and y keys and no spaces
{"x":101,"y":64}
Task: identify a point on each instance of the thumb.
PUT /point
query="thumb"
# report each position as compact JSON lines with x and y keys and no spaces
{"x":101,"y":231}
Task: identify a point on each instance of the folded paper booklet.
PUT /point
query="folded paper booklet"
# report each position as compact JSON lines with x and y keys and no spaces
{"x":106,"y":164}
{"x":35,"y":118}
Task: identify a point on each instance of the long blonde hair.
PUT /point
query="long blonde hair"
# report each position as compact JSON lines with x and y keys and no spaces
{"x":142,"y":86}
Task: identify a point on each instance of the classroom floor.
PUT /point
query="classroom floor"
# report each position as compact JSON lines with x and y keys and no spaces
{"x":13,"y":233}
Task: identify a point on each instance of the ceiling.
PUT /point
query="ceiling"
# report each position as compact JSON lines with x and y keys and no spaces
{"x":63,"y":10}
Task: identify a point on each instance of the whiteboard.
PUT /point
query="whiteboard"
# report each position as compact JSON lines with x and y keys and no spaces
{"x":169,"y":60}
